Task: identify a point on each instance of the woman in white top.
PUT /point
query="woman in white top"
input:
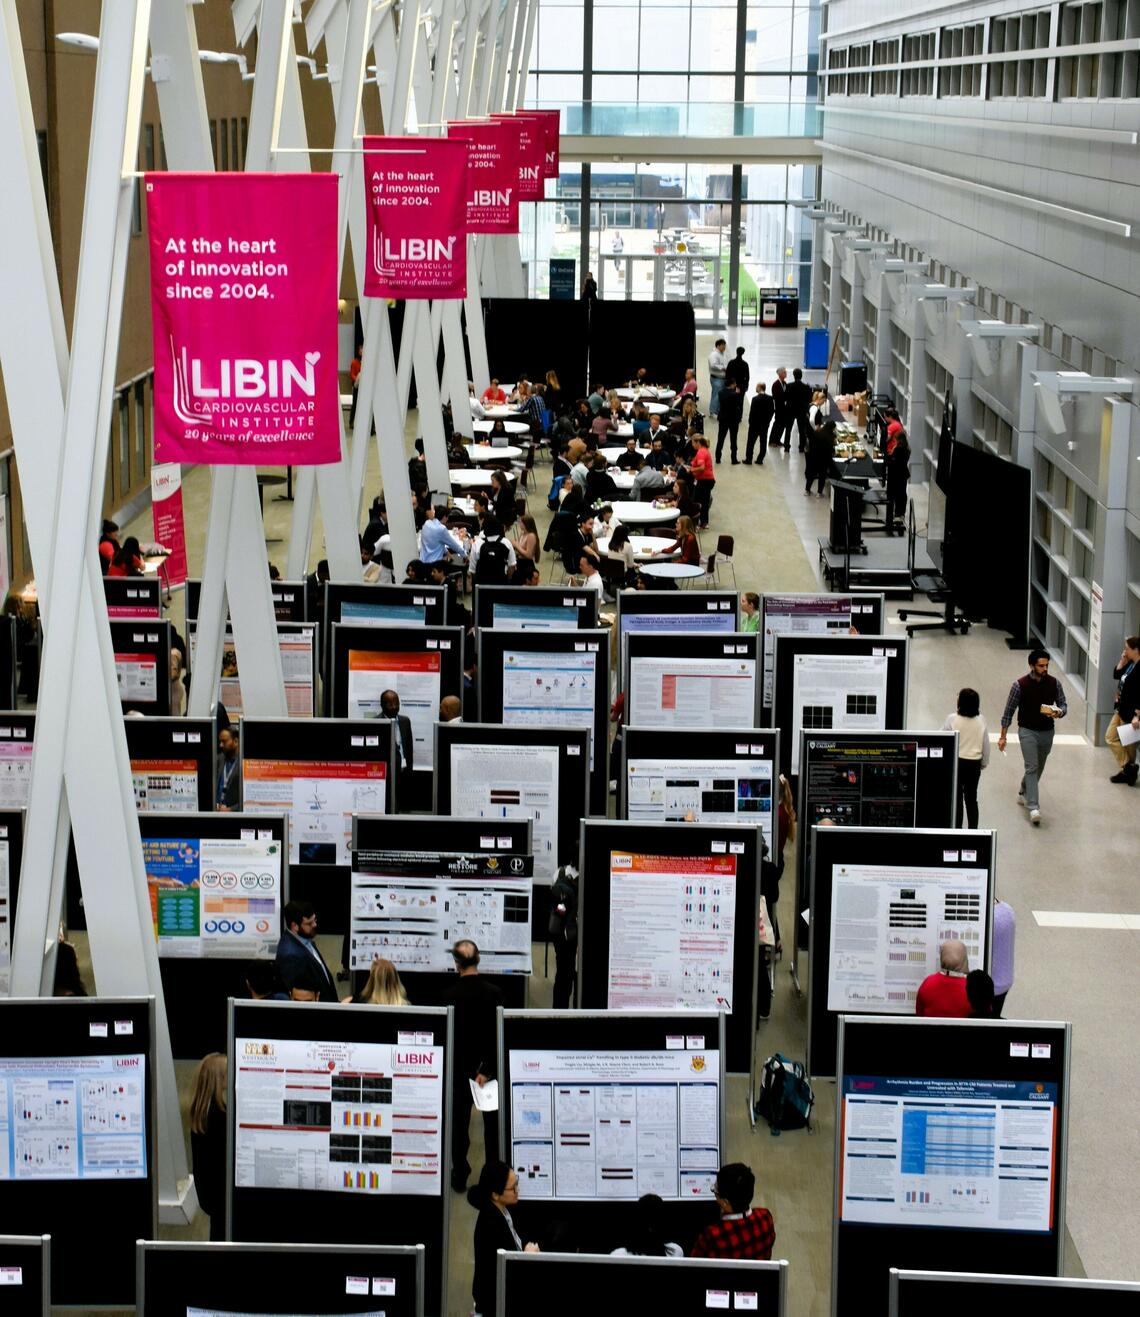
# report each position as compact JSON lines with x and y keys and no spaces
{"x":973,"y":751}
{"x":645,"y":1232}
{"x":620,"y":547}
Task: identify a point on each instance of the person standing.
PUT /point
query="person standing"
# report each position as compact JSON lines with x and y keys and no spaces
{"x":704,"y":477}
{"x":1001,"y":957}
{"x":782,"y":424}
{"x":208,"y":1141}
{"x":737,"y":370}
{"x":820,"y":457}
{"x":898,"y":473}
{"x":1127,"y":674}
{"x":728,"y":419}
{"x":405,"y":748}
{"x":1038,"y":699}
{"x":493,"y":1197}
{"x":944,"y":994}
{"x":750,"y":612}
{"x":476,"y":1003}
{"x":299,"y":961}
{"x":718,"y":364}
{"x":799,"y":404}
{"x":228,"y":796}
{"x":759,"y":419}
{"x":743,"y":1231}
{"x":973,"y":752}
{"x":589,"y":287}
{"x":563,"y":930}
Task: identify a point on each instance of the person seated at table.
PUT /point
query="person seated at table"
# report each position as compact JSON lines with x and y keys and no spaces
{"x":493,"y":396}
{"x":630,"y":458}
{"x":530,"y":410}
{"x":108,"y":544}
{"x":525,"y":539}
{"x":599,"y":483}
{"x":686,"y":545}
{"x":478,"y":411}
{"x":526,"y":573}
{"x":576,"y":540}
{"x":597,"y":399}
{"x":592,"y":578}
{"x":648,"y":483}
{"x":458,"y":458}
{"x":437,"y":544}
{"x":503,"y":499}
{"x":554,"y":401}
{"x":655,"y":429}
{"x":417,"y":466}
{"x":689,"y":387}
{"x":687,"y":448}
{"x":127,"y":560}
{"x":377,"y":525}
{"x":603,"y":424}
{"x":640,"y":380}
{"x":657,"y":457}
{"x":691,"y":418}
{"x":517,"y":392}
{"x":621,"y":548}
{"x":618,"y":409}
{"x":492,"y":532}
{"x":639,"y":419}
{"x":604,"y":520}
{"x":581,"y":469}
{"x":574,"y":502}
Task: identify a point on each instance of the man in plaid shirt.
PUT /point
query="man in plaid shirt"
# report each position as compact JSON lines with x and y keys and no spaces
{"x":742,"y":1231}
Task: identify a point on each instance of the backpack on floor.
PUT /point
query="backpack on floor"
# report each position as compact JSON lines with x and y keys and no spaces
{"x":785,"y":1100}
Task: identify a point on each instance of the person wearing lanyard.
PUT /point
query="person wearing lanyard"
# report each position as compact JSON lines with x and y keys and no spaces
{"x":228,"y":796}
{"x":402,"y":740}
{"x":299,"y":962}
{"x":1127,"y":674}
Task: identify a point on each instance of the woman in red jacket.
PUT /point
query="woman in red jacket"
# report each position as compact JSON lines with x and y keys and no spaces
{"x":686,"y":542}
{"x":704,"y":476}
{"x":127,"y":560}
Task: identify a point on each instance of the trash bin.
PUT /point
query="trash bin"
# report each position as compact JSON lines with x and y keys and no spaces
{"x":815,"y":349}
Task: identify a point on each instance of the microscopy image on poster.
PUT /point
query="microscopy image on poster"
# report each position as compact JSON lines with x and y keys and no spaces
{"x":73,"y":1118}
{"x":355,"y":1117}
{"x":672,"y":924}
{"x":169,"y":785}
{"x":416,"y":680}
{"x":684,"y":692}
{"x":805,"y":615}
{"x":320,"y":796}
{"x":605,"y":1125}
{"x":551,"y":690}
{"x":887,"y":923}
{"x":15,"y":772}
{"x":215,"y":897}
{"x":870,"y":785}
{"x":838,"y":692}
{"x":701,"y":791}
{"x":956,"y":1153}
{"x":511,"y":782}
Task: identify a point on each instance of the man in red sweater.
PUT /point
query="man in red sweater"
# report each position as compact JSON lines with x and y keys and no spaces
{"x":742,"y":1231}
{"x":944,"y":993}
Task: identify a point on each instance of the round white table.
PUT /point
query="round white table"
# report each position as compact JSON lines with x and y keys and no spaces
{"x":612,"y":455}
{"x":464,"y":479}
{"x":656,"y":408}
{"x":628,"y":513}
{"x":645,"y":548}
{"x":501,"y":413}
{"x":624,"y":430}
{"x":623,"y":480}
{"x":646,"y":395}
{"x":673,"y":571}
{"x":511,"y":427}
{"x":485,"y":453}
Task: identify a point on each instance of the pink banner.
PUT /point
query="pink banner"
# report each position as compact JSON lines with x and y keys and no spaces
{"x":244,"y":286}
{"x":492,"y":175}
{"x":551,"y":121}
{"x":417,"y":217}
{"x":527,"y":150}
{"x":169,"y":528}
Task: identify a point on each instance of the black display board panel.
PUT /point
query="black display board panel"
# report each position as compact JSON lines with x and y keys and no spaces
{"x":920,"y":1293}
{"x":93,"y":1224}
{"x":314,"y":877}
{"x":196,"y":991}
{"x":894,"y":648}
{"x":568,"y":1284}
{"x":526,"y":336}
{"x":8,"y":671}
{"x":624,"y":336}
{"x":864,"y":612}
{"x":12,"y":832}
{"x":150,"y":640}
{"x":176,"y":739}
{"x":315,"y":1216}
{"x":582,"y":604}
{"x":453,"y":836}
{"x":493,"y":646}
{"x":29,"y":1256}
{"x":595,"y":1225}
{"x":986,"y":490}
{"x":825,"y":788}
{"x":908,"y":1048}
{"x":927,"y":848}
{"x":599,"y":838}
{"x":277,"y":1278}
{"x":635,"y":604}
{"x":738,"y":645}
{"x":288,"y":600}
{"x":428,"y":600}
{"x":133,"y":597}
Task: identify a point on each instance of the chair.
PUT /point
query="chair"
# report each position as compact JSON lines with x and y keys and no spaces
{"x":521,"y":508}
{"x":710,"y":566}
{"x":661,"y":532}
{"x":725,"y":544}
{"x":613,"y":573}
{"x":524,"y":470}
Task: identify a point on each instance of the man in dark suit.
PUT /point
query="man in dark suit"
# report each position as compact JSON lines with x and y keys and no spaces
{"x":799,"y":404}
{"x":476,"y":1045}
{"x":759,"y":419}
{"x":405,"y":749}
{"x":783,"y":419}
{"x":729,"y":417}
{"x":299,"y":963}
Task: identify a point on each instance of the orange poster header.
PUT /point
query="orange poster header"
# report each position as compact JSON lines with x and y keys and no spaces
{"x":370,"y":660}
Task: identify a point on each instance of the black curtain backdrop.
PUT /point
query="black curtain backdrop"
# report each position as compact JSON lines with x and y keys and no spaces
{"x":531,"y":337}
{"x":661,"y":336}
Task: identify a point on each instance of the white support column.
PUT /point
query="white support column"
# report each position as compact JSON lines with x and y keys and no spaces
{"x":528,"y":47}
{"x":488,"y":28}
{"x":505,"y":31}
{"x":511,"y":98}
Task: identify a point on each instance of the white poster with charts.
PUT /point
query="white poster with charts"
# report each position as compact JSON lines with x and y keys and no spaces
{"x":354,"y":1117}
{"x":551,"y":690}
{"x":511,"y":782}
{"x":838,"y":692}
{"x":683,"y":692}
{"x":887,"y":923}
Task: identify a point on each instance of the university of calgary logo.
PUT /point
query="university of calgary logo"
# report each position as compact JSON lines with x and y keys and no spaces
{"x":492,"y":864}
{"x":697,"y":1064}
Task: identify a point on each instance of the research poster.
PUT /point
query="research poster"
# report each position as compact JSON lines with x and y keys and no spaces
{"x":356,"y":1117}
{"x":718,"y":616}
{"x":137,"y":675}
{"x":610,"y":1125}
{"x":872,"y":785}
{"x":804,"y":615}
{"x":551,"y":690}
{"x":297,"y":667}
{"x":412,"y":907}
{"x":73,"y":1117}
{"x":213,"y":897}
{"x":838,"y":692}
{"x":693,"y":692}
{"x":511,"y":782}
{"x":672,"y":924}
{"x":962,"y":1154}
{"x":702,"y":791}
{"x":360,"y":612}
{"x":15,"y":770}
{"x":887,"y":923}
{"x":170,"y":785}
{"x":519,"y":617}
{"x":320,"y":796}
{"x":6,"y":914}
{"x":416,"y":679}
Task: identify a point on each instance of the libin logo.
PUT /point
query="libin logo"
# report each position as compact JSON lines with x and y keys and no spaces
{"x":385,"y":252}
{"x":198,"y":402}
{"x":417,"y":1062}
{"x":697,"y":1065}
{"x":128,"y":1063}
{"x":492,"y":196}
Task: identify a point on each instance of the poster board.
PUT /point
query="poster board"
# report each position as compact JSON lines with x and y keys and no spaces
{"x":882,"y":902}
{"x":788,"y":614}
{"x":25,"y":1275}
{"x":1001,"y":1090}
{"x":419,"y":885}
{"x":568,"y":1284}
{"x":11,"y":860}
{"x":358,"y":604}
{"x":610,"y":1052}
{"x":175,"y":1279}
{"x":986,"y":1295}
{"x":172,"y":763}
{"x":94,"y":1193}
{"x":692,"y":681}
{"x":297,"y":643}
{"x":17,"y":736}
{"x":837,"y":683}
{"x":543,"y":608}
{"x":675,"y":612}
{"x":668,"y":915}
{"x":714,"y":776}
{"x":289,"y":603}
{"x":388,"y":1062}
{"x":142,"y":665}
{"x":133,"y":596}
{"x":551,"y":679}
{"x":8,"y":666}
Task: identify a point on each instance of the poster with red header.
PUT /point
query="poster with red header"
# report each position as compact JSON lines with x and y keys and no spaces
{"x":169,"y":525}
{"x":244,"y":286}
{"x":527,"y":150}
{"x":417,"y":217}
{"x":492,"y":191}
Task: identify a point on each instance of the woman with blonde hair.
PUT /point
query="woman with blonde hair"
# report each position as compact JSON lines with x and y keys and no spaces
{"x":208,"y":1140}
{"x":383,"y":987}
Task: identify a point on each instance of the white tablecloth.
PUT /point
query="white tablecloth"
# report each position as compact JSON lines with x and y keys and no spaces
{"x":485,"y":453}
